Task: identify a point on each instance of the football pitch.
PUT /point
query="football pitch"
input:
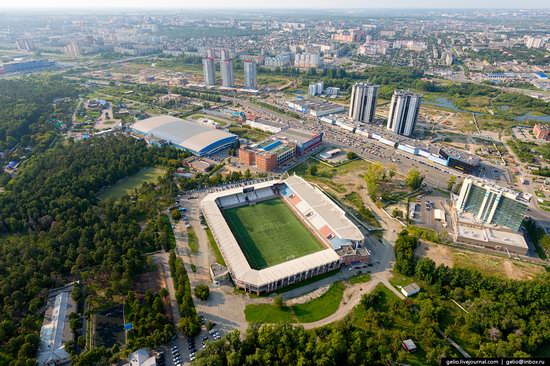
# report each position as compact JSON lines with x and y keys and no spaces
{"x":269,"y":233}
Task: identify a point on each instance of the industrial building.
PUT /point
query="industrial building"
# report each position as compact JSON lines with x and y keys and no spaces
{"x":197,"y":139}
{"x":56,"y":331}
{"x":491,"y":204}
{"x":363,"y":102}
{"x":314,"y":108}
{"x":404,"y":110}
{"x":209,"y":71}
{"x":342,"y":241}
{"x":250,"y":75}
{"x":25,"y":66}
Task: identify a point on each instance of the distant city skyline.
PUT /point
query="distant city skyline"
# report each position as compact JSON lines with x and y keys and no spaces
{"x":281,"y":4}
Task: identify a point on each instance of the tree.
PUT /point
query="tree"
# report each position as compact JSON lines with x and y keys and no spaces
{"x":202,"y":292}
{"x":352,"y":155}
{"x":392,"y":171}
{"x":176,"y":214}
{"x":375,"y":173}
{"x":414,"y":179}
{"x":278,"y":301}
{"x":313,"y":170}
{"x":451,"y":183}
{"x":405,"y":261}
{"x":397,"y":213}
{"x":190,"y":325}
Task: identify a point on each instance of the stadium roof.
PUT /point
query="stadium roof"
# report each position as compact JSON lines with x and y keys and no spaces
{"x":234,"y":256}
{"x":333,"y":215}
{"x":198,"y":139}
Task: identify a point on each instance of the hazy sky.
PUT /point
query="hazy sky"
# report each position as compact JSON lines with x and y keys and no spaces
{"x":276,"y":3}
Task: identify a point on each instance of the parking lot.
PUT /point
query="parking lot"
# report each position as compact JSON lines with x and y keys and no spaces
{"x":182,"y":350}
{"x":426,"y":204}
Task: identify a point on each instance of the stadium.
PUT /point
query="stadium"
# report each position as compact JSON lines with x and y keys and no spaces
{"x":279,"y":232}
{"x":197,"y":139}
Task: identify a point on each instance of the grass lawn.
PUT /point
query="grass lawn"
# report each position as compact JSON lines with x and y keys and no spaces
{"x":326,"y":172}
{"x":321,"y":307}
{"x":249,"y":133}
{"x":127,"y":185}
{"x":267,"y":313}
{"x":214,"y":245}
{"x":269,"y":233}
{"x":365,"y":277}
{"x":192,"y":240}
{"x":312,"y":311}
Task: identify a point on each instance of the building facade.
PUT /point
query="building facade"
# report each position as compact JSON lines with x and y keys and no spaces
{"x":209,"y":71}
{"x":308,"y":60}
{"x":491,"y":204}
{"x":363,"y":102}
{"x":250,"y":75}
{"x":404,"y":110}
{"x":315,"y":89}
{"x":541,"y":131}
{"x":226,"y":67}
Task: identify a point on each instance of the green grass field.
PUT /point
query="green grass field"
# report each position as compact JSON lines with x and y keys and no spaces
{"x":269,"y":233}
{"x":311,"y":311}
{"x":127,"y":185}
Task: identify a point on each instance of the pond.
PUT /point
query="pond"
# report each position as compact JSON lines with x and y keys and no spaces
{"x":533,"y":117}
{"x":445,"y":103}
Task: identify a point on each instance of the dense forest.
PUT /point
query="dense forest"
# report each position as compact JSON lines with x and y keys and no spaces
{"x":502,"y":318}
{"x":55,"y":229}
{"x":26,"y":108}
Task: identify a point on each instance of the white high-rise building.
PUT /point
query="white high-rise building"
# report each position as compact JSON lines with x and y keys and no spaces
{"x":534,"y":42}
{"x":72,"y":49}
{"x":226,"y":67}
{"x":224,"y":55}
{"x":250,"y":75}
{"x":308,"y":60}
{"x":315,"y":89}
{"x":209,"y":71}
{"x":404,"y":110}
{"x":363,"y":102}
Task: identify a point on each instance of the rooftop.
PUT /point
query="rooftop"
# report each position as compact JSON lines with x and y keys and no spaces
{"x":491,"y":234}
{"x":55,"y":331}
{"x":189,"y":135}
{"x":295,"y":135}
{"x":333,"y":215}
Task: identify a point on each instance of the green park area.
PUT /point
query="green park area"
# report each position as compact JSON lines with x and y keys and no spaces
{"x":127,"y":185}
{"x":308,"y":312}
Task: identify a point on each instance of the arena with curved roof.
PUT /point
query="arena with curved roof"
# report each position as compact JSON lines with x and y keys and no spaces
{"x":197,"y":139}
